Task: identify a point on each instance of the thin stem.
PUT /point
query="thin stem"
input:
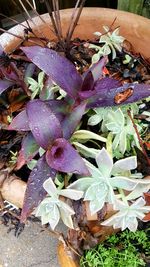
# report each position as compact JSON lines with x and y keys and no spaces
{"x":139,"y":138}
{"x":30,"y":18}
{"x":72,"y":18}
{"x":57,"y":22}
{"x":24,"y":8}
{"x":19,"y":9}
{"x":13,"y":34}
{"x":59,"y":19}
{"x":51,"y":16}
{"x":13,"y":20}
{"x":34,"y":4}
{"x":75,"y":20}
{"x":34,"y":9}
{"x":26,"y":28}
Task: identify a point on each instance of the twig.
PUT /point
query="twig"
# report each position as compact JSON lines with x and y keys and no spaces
{"x":51,"y":16}
{"x":72,"y":18}
{"x":57,"y":19}
{"x":30,"y":18}
{"x":75,"y":19}
{"x":73,"y":249}
{"x":13,"y":34}
{"x":34,"y":9}
{"x":139,"y":138}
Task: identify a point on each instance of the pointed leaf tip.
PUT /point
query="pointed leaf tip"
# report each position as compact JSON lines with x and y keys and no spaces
{"x":35,"y":192}
{"x":58,"y":68}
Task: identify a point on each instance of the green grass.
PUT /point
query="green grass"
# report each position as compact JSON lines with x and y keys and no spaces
{"x":122,"y":250}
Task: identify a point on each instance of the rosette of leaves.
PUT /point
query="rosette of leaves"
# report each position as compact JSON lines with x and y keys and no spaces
{"x":127,"y":215}
{"x":119,"y":124}
{"x":36,"y":86}
{"x":107,"y":178}
{"x":122,"y":128}
{"x":53,"y":207}
{"x":112,"y":41}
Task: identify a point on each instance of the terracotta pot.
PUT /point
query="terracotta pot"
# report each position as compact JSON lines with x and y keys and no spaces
{"x":134,"y":28}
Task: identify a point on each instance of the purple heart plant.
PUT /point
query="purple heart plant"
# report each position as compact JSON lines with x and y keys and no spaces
{"x":64,"y":169}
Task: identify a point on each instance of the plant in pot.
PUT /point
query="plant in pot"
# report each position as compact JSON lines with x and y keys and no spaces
{"x":76,"y":119}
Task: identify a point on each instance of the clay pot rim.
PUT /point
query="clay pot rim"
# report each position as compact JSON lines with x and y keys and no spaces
{"x":129,"y":21}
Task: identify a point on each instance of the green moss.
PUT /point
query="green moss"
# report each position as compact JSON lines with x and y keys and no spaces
{"x":122,"y":250}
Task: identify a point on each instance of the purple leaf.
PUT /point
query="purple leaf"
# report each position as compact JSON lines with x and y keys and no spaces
{"x":20,"y":122}
{"x":59,"y":107}
{"x":72,"y":120}
{"x":87,"y":86}
{"x":35,"y":192}
{"x":29,"y":149}
{"x":106,"y":84}
{"x":60,"y":69}
{"x":43,"y":123}
{"x":5,"y":84}
{"x":63,"y":157}
{"x":96,"y":69}
{"x":108,"y":95}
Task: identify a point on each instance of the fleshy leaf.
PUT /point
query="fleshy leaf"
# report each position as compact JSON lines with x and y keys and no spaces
{"x":87,"y":135}
{"x":91,"y":76}
{"x":72,"y":120}
{"x":96,"y":69}
{"x":20,"y":122}
{"x":63,"y":157}
{"x":129,"y":163}
{"x":4,"y":84}
{"x":29,"y":149}
{"x":87,"y":87}
{"x":60,"y":70}
{"x":66,"y":212}
{"x":35,"y":192}
{"x":106,"y":94}
{"x":43,"y":123}
{"x":127,"y":215}
{"x":81,"y":184}
{"x":104,"y":162}
{"x":71,"y":193}
{"x":130,"y":184}
{"x":50,"y":187}
{"x":59,"y":108}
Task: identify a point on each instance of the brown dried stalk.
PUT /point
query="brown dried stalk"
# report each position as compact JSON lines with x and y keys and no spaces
{"x":28,"y":16}
{"x":74,"y":19}
{"x":35,"y":11}
{"x":139,"y":138}
{"x":51,"y":16}
{"x":57,"y":18}
{"x":13,"y":34}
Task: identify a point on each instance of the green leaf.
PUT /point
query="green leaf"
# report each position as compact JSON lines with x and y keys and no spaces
{"x":87,"y":135}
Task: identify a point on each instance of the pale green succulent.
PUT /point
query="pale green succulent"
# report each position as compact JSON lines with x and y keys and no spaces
{"x":99,"y":188}
{"x":112,"y":41}
{"x":127,"y":215}
{"x":122,"y":128}
{"x":117,"y":121}
{"x":100,"y":115}
{"x":52,"y":208}
{"x":36,"y":86}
